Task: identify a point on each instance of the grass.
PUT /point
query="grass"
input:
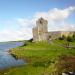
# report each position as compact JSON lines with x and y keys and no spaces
{"x":40,"y":56}
{"x":26,"y":70}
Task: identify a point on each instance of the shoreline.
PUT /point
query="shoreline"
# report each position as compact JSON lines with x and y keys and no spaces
{"x":7,"y":60}
{"x":45,"y":56}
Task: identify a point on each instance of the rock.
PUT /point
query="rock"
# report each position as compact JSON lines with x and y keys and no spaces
{"x":65,"y":74}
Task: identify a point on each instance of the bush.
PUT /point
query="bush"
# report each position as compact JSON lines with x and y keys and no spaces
{"x":65,"y":64}
{"x":74,"y":36}
{"x":69,"y":39}
{"x":62,"y":37}
{"x":30,"y":40}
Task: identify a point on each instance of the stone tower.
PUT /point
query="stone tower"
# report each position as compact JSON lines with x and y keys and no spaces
{"x":41,"y":30}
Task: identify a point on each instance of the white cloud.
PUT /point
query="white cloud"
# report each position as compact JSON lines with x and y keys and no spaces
{"x":8,"y":35}
{"x":23,"y":22}
{"x":55,"y":14}
{"x":56,"y":21}
{"x":57,"y":18}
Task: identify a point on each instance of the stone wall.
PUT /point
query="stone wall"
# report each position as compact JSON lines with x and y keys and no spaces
{"x":54,"y":34}
{"x":35,"y":33}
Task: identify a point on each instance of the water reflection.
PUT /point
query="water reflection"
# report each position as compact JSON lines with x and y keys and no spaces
{"x":6,"y":60}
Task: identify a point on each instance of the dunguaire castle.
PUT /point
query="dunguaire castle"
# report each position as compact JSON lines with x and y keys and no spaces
{"x":40,"y":32}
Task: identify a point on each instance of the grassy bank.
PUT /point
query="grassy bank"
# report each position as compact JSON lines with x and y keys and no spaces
{"x":42,"y":58}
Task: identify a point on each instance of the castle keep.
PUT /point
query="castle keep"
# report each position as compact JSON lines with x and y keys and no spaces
{"x":40,"y":32}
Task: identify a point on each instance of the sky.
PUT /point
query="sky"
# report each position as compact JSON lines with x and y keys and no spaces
{"x":18,"y":17}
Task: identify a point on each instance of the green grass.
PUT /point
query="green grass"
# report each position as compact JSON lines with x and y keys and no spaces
{"x":43,"y":49}
{"x":40,"y":56}
{"x":26,"y":70}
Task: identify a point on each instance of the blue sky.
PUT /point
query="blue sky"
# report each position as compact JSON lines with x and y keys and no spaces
{"x":26,"y":8}
{"x":17,"y":14}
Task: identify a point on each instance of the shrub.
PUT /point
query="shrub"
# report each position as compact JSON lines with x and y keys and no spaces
{"x":73,"y":37}
{"x":63,"y":37}
{"x":60,"y":38}
{"x":69,"y":39}
{"x":30,"y":40}
{"x":65,"y":64}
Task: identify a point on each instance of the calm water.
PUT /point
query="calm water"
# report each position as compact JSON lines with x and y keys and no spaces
{"x":6,"y":60}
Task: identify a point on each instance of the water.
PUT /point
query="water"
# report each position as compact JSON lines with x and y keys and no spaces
{"x":6,"y":60}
